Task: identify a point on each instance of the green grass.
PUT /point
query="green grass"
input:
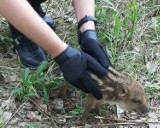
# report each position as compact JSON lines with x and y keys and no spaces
{"x":129,"y":32}
{"x":123,"y":27}
{"x":118,"y":30}
{"x":32,"y":125}
{"x":31,"y":82}
{"x":2,"y":121}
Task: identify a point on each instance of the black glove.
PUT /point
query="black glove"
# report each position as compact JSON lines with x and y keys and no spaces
{"x":74,"y":65}
{"x":89,"y":44}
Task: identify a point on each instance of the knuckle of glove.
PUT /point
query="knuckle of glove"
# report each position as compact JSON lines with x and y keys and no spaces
{"x":72,"y":70}
{"x":90,"y":45}
{"x":73,"y":66}
{"x":95,"y":49}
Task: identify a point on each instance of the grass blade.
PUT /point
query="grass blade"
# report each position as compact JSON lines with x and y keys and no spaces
{"x":41,"y":67}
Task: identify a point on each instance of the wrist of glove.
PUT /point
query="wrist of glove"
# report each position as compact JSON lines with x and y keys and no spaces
{"x":74,"y":66}
{"x":89,"y":43}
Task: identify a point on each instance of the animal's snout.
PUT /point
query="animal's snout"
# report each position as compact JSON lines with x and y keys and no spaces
{"x":145,"y":109}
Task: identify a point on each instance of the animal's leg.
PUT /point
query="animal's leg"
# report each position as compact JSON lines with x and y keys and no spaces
{"x":88,"y":106}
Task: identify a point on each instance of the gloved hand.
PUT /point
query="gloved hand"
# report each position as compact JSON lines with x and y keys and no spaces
{"x":74,"y":65}
{"x":89,"y":44}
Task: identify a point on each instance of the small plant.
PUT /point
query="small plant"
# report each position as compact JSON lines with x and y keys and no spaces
{"x":118,"y":30}
{"x":30,"y":81}
{"x":2,"y":121}
{"x":32,"y":126}
{"x":130,"y":19}
{"x":116,"y":34}
{"x":156,"y":27}
{"x":75,"y":111}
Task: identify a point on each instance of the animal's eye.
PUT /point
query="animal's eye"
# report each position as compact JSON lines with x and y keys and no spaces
{"x":136,"y":101}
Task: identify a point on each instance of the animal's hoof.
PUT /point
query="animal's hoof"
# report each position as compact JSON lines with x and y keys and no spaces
{"x":84,"y":117}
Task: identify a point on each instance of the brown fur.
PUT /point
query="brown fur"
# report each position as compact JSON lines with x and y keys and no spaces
{"x":117,"y":88}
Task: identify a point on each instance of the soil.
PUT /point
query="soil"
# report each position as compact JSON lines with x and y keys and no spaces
{"x":64,"y":110}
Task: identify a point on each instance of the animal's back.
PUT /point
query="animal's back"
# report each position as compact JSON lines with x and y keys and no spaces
{"x":117,"y":88}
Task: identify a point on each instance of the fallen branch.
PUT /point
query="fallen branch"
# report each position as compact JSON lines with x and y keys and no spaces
{"x":105,"y":125}
{"x":129,"y":121}
{"x":154,"y":108}
{"x":8,"y":68}
{"x":112,"y":124}
{"x":111,"y":119}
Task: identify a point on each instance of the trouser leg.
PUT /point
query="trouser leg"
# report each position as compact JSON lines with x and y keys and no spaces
{"x":36,"y":4}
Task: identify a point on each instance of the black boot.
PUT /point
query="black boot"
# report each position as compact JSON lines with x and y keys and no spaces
{"x":30,"y":54}
{"x":47,"y":19}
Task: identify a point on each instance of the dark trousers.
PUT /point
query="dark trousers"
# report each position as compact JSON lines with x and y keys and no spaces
{"x":36,"y":5}
{"x":36,"y":2}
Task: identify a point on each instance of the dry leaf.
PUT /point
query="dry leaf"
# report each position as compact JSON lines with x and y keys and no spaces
{"x":42,"y":105}
{"x":153,"y":125}
{"x":7,"y":115}
{"x":58,"y":103}
{"x":34,"y":115}
{"x":153,"y":116}
{"x":23,"y":124}
{"x":151,"y":66}
{"x":6,"y":104}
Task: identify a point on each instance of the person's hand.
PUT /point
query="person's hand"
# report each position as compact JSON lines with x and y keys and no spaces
{"x":89,"y":44}
{"x":75,"y":65}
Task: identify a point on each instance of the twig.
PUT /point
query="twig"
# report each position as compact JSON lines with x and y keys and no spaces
{"x":111,"y":119}
{"x":67,"y":117}
{"x":15,"y":87}
{"x":154,"y":108}
{"x":129,"y":121}
{"x":110,"y":124}
{"x":8,"y":68}
{"x":64,"y":37}
{"x":42,"y":111}
{"x":3,"y":125}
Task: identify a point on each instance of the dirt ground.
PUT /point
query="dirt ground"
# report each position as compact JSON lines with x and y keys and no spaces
{"x":64,"y":110}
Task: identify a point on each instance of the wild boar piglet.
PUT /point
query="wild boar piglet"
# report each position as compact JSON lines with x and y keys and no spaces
{"x":117,"y":88}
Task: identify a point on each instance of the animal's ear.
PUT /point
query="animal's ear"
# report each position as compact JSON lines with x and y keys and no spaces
{"x":114,"y":75}
{"x":114,"y":72}
{"x":122,"y":90}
